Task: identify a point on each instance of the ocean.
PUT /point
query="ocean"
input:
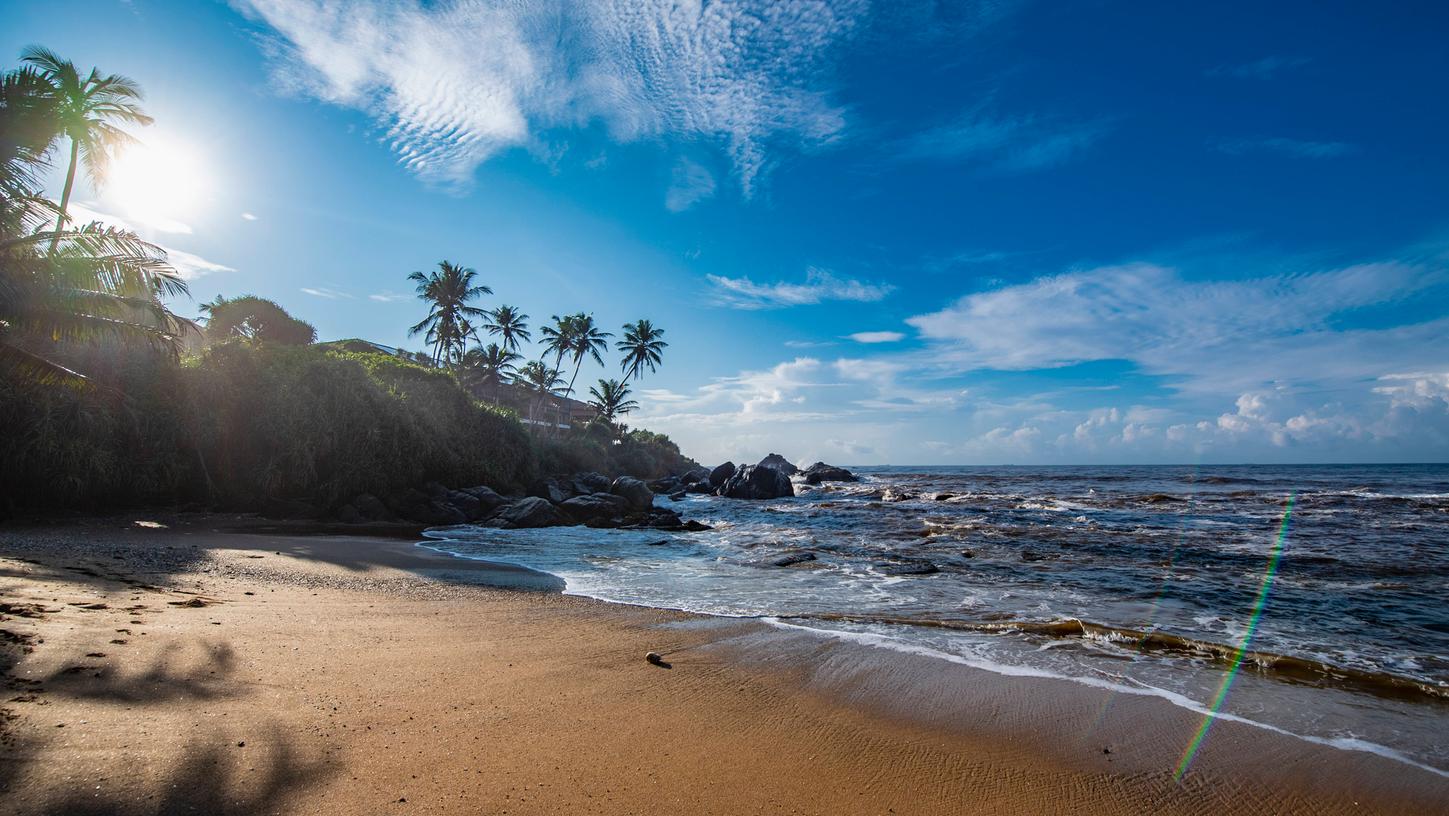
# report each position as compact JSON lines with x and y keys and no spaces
{"x":1327,"y":587}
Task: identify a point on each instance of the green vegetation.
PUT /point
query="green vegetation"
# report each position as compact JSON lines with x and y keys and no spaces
{"x":101,"y":411}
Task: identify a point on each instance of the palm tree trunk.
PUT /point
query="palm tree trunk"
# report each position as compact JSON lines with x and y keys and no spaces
{"x":65,"y":193}
{"x":568,"y":394}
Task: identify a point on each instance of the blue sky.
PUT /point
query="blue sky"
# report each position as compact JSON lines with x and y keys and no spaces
{"x":991,"y":232}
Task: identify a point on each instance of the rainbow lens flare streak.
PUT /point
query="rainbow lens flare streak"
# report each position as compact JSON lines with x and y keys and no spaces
{"x":1257,"y":615}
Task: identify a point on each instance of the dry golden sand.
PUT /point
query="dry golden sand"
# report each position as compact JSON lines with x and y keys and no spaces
{"x":253,"y":673}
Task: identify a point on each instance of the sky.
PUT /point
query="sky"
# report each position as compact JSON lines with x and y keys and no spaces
{"x":985,"y":232}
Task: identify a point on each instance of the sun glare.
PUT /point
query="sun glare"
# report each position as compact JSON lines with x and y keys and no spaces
{"x":158,"y":183}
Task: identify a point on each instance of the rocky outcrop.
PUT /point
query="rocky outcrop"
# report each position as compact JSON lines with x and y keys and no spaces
{"x":721,"y":474}
{"x":554,"y":490}
{"x":908,"y":567}
{"x":590,"y":482}
{"x":821,"y":472}
{"x":638,"y":494}
{"x":779,"y":463}
{"x":757,"y":482}
{"x":527,"y":512}
{"x":595,"y":506}
{"x":415,"y":505}
{"x":790,"y":559}
{"x":695,"y":476}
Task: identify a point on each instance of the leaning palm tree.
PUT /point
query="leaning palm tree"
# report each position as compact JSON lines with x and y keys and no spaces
{"x":448,"y":291}
{"x":540,"y":378}
{"x":510,"y":325}
{"x":558,"y":339}
{"x":611,"y":399}
{"x":489,"y":365}
{"x":642,"y":346}
{"x":587,"y":341}
{"x":97,"y":284}
{"x":89,"y":112}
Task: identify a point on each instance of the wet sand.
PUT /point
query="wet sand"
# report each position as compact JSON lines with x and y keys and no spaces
{"x":194,"y":670}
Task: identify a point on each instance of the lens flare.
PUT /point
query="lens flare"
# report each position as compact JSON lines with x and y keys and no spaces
{"x":1257,"y":615}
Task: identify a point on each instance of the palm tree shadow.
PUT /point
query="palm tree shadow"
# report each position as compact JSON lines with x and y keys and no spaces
{"x":161,"y":682}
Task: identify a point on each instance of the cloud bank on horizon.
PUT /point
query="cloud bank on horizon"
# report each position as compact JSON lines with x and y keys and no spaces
{"x":1060,"y":347}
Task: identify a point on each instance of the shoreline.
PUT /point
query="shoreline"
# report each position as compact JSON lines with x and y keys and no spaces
{"x":815,"y":713}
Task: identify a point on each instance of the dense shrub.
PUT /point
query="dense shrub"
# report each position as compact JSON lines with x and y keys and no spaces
{"x":245,"y":423}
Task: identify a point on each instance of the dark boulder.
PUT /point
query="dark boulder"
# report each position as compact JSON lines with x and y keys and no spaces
{"x":666,"y":485}
{"x":699,"y":487}
{"x":371,"y":508}
{"x":551,"y":489}
{"x":486,"y":496}
{"x":757,"y":482}
{"x":913,"y":567}
{"x":678,"y":495}
{"x":467,"y":504}
{"x":347,"y":514}
{"x":779,"y":463}
{"x":527,"y":512}
{"x":638,"y":494}
{"x":693,"y":526}
{"x":792,"y":558}
{"x":415,"y":505}
{"x":699,"y":474}
{"x":590,"y":482}
{"x":719,"y":475}
{"x":595,"y":506}
{"x":821,"y":472}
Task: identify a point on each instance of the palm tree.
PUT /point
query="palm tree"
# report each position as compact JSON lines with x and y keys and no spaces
{"x":642,"y":346}
{"x":510,"y":325}
{"x":97,"y":284}
{"x":28,"y":124}
{"x":448,"y":291}
{"x":541,"y":379}
{"x":491,"y":365}
{"x":89,"y":112}
{"x":611,"y":399}
{"x":558,"y":339}
{"x":586,"y":341}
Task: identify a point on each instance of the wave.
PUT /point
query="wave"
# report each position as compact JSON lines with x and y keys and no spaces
{"x":1291,"y":668}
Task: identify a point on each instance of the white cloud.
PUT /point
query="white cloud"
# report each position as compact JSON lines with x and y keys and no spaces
{"x":326,"y":292}
{"x":1297,"y":148}
{"x":246,"y":216}
{"x":389,"y":297}
{"x":1219,"y":336}
{"x":1009,"y":143}
{"x":691,"y":184}
{"x":820,"y":285}
{"x":187,"y":264}
{"x":455,"y":83}
{"x":804,"y":344}
{"x":877,"y":337}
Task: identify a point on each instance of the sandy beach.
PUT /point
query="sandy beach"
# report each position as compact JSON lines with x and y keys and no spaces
{"x":193,"y":668}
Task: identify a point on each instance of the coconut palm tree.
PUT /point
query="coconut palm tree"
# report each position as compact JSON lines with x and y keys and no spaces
{"x":611,"y":399}
{"x":510,"y":325}
{"x":558,"y":339}
{"x":586,"y":341}
{"x":28,"y":123}
{"x":642,"y":346}
{"x":540,"y":378}
{"x":89,"y":112}
{"x":448,"y":291}
{"x":98,"y":283}
{"x":490,"y":365}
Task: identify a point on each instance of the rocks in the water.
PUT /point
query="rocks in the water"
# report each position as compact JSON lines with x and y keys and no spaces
{"x":467,"y":504}
{"x":638,"y":494}
{"x":909,"y":567}
{"x":792,"y":558}
{"x":893,"y":495}
{"x":1029,"y":555}
{"x":721,"y":474}
{"x":779,"y":463}
{"x":944,"y":496}
{"x":595,"y":506}
{"x":700,"y":487}
{"x":527,"y":512}
{"x":590,"y":482}
{"x":821,"y":472}
{"x":678,"y":495}
{"x":757,"y":482}
{"x":551,"y":489}
{"x":666,"y":485}
{"x":486,"y":496}
{"x":695,"y":476}
{"x":693,"y":526}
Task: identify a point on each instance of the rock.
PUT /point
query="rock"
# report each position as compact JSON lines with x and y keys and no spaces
{"x":1028,"y":555}
{"x":347,"y":514}
{"x":721,"y":474}
{"x":678,"y":496}
{"x":467,"y":504}
{"x":604,"y":523}
{"x":594,"y":506}
{"x":435,"y":490}
{"x":638,"y":494}
{"x":913,"y":567}
{"x":551,"y":489}
{"x":527,"y":512}
{"x":968,"y":554}
{"x":700,"y":487}
{"x":792,"y":558}
{"x":590,"y":482}
{"x":893,"y":495}
{"x":693,"y":526}
{"x":668,"y":484}
{"x":487,"y":495}
{"x":945,"y":496}
{"x":695,"y":476}
{"x":290,"y":509}
{"x":821,"y":472}
{"x":371,"y":508}
{"x":415,"y":505}
{"x":779,"y":463}
{"x":757,"y":482}
{"x":655,"y":658}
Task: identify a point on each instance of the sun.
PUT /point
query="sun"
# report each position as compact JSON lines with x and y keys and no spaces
{"x":159,"y":183}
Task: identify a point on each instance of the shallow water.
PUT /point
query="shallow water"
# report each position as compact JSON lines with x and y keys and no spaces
{"x":1163,"y":565}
